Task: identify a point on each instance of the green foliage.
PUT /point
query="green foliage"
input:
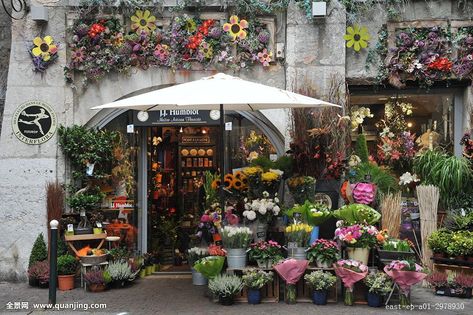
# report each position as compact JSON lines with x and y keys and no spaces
{"x":225,"y":285}
{"x":82,"y":145}
{"x":120,"y":271}
{"x":385,"y":182}
{"x":256,"y":279}
{"x":66,"y":265}
{"x":357,"y":214}
{"x":314,"y":214}
{"x":361,"y":148}
{"x":286,"y":164}
{"x":378,"y":283}
{"x":61,"y":247}
{"x":85,"y":201}
{"x":118,"y":254}
{"x":320,"y":280}
{"x":39,"y":252}
{"x":439,"y":240}
{"x":451,"y":174}
{"x":395,"y":245}
{"x":263,"y":162}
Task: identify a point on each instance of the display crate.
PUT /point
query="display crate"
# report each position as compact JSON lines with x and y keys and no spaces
{"x":304,"y":292}
{"x":269,"y":293}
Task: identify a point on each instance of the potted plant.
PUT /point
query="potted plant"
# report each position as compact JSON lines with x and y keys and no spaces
{"x":379,"y":284}
{"x":439,"y":281}
{"x":66,"y":270}
{"x":38,"y":274}
{"x":297,"y":238}
{"x":39,"y":252}
{"x":120,"y":273}
{"x":463,"y":285}
{"x":236,"y":240}
{"x":194,"y":254}
{"x":96,"y":280}
{"x":358,"y":238}
{"x":225,"y":287}
{"x":393,"y":249}
{"x":320,"y":281}
{"x":265,"y":253}
{"x":254,"y":280}
{"x":438,"y":242}
{"x":323,"y":252}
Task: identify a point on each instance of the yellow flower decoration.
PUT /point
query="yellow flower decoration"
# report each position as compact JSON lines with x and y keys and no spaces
{"x":252,"y":170}
{"x":269,"y":177}
{"x":44,"y":47}
{"x":206,"y":50}
{"x":143,"y":21}
{"x":357,"y":37}
{"x":235,"y":28}
{"x":191,"y":26}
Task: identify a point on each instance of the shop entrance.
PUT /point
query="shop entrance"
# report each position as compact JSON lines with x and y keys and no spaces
{"x":177,"y":159}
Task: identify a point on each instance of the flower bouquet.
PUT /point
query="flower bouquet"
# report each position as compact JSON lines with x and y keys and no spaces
{"x":210,"y":221}
{"x":291,"y":271}
{"x":271,"y":180}
{"x":210,"y":266}
{"x":350,"y":271}
{"x":196,"y":253}
{"x":302,"y":188}
{"x":298,"y":233}
{"x":265,"y":253}
{"x":323,"y":252}
{"x":261,"y":209}
{"x":357,"y":235}
{"x":357,"y":214}
{"x":405,"y":273}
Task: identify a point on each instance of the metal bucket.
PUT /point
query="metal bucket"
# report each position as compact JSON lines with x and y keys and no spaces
{"x":297,"y":253}
{"x":198,"y":278}
{"x":236,"y":258}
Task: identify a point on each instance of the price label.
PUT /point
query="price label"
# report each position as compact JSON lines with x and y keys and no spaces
{"x":292,"y":245}
{"x":99,"y":225}
{"x":228,"y":126}
{"x":70,"y":228}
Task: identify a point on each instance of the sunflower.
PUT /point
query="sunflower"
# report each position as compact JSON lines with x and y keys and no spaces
{"x":143,"y":22}
{"x":227,"y":182}
{"x":230,"y":177}
{"x":44,"y":47}
{"x":191,"y":26}
{"x":206,"y":50}
{"x":216,"y":184}
{"x":357,"y":37}
{"x":236,"y":29}
{"x":238,"y":174}
{"x":244,"y":180}
{"x":237,"y":184}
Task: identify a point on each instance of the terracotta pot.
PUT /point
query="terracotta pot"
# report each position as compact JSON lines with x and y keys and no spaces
{"x":66,"y":282}
{"x":96,"y":287}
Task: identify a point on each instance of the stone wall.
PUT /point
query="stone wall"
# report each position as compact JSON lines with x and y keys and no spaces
{"x":5,"y":43}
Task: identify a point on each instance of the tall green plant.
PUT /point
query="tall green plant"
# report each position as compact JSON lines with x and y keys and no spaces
{"x":385,"y":182}
{"x":39,"y":252}
{"x":361,"y":148}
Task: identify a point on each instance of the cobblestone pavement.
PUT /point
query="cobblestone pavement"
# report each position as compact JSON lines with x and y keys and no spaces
{"x":154,"y":295}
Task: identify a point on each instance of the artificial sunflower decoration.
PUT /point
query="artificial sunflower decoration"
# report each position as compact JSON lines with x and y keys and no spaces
{"x":216,"y":184}
{"x":206,"y":50}
{"x":143,"y":22}
{"x":236,"y":27}
{"x":357,"y":37}
{"x":191,"y":25}
{"x":44,"y":47}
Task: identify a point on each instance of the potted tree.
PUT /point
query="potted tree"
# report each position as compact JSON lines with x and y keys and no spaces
{"x":323,"y":252}
{"x":66,"y":269}
{"x":254,"y":280}
{"x":320,"y":282}
{"x":39,"y":253}
{"x":225,"y":287}
{"x":379,"y":284}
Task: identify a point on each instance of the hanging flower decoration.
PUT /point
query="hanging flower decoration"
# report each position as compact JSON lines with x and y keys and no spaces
{"x":143,"y":22}
{"x":161,"y":52}
{"x":78,"y":55}
{"x":206,"y":50}
{"x":191,"y":26}
{"x":95,"y":30}
{"x":265,"y":57}
{"x":43,"y":52}
{"x":357,"y":37}
{"x":236,"y":29}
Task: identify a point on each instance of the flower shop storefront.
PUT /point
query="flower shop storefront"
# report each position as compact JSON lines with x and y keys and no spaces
{"x":176,"y":154}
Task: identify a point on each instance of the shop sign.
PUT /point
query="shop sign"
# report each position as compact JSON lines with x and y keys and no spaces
{"x":195,"y":140}
{"x":173,"y":117}
{"x":34,"y":122}
{"x":122,"y":204}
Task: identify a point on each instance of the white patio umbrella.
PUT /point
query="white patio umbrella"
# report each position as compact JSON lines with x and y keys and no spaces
{"x":217,"y":92}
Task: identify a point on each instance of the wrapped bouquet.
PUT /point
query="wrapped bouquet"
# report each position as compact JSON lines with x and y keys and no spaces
{"x":350,"y":271}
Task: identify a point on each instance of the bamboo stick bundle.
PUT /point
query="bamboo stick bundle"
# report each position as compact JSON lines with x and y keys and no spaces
{"x":428,"y":197}
{"x":391,"y":214}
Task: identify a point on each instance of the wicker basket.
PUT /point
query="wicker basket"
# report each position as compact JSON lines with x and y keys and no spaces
{"x":93,"y":259}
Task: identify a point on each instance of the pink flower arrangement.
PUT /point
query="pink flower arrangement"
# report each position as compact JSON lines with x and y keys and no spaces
{"x":363,"y":193}
{"x":354,"y":265}
{"x":357,"y":235}
{"x":405,"y":274}
{"x":262,"y":250}
{"x":350,"y":271}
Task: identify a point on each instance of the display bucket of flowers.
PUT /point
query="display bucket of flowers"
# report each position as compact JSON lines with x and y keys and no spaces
{"x":323,"y":252}
{"x":297,"y":236}
{"x":258,"y":212}
{"x":254,"y":280}
{"x":395,"y":249}
{"x":265,"y":253}
{"x":194,"y":254}
{"x":320,"y":282}
{"x":405,"y":273}
{"x":379,"y":284}
{"x":236,"y":241}
{"x":291,"y":270}
{"x":359,"y":239}
{"x":350,"y":271}
{"x":225,"y":287}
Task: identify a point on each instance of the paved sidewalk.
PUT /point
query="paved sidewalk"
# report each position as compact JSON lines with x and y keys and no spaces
{"x":154,"y":295}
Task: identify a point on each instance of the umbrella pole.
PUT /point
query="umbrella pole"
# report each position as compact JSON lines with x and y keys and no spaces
{"x":222,"y":157}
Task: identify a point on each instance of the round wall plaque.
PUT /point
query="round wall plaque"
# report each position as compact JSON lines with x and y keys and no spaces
{"x":34,"y":122}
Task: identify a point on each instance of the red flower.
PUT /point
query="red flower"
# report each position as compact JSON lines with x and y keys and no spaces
{"x":440,"y":64}
{"x":96,"y":29}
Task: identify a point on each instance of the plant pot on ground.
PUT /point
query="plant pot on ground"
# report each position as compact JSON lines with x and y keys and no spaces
{"x":66,"y":268}
{"x":320,"y":282}
{"x":38,"y":273}
{"x":96,"y":280}
{"x":225,"y":287}
{"x":379,"y":284}
{"x":254,"y":280}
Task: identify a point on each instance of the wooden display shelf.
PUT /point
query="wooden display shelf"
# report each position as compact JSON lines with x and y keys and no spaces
{"x":467,"y":270}
{"x":70,"y":239}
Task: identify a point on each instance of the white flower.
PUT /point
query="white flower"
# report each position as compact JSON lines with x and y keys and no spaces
{"x":251,"y":215}
{"x":276,"y":210}
{"x":339,"y":223}
{"x":262,"y":210}
{"x":276,"y":199}
{"x":408,"y":178}
{"x":265,"y":194}
{"x":354,"y":160}
{"x":276,"y":171}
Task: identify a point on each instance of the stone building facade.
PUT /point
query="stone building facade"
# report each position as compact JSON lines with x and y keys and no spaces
{"x":314,"y":55}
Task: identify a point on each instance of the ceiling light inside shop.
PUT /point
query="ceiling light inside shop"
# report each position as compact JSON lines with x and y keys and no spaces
{"x":410,"y":124}
{"x":181,"y":130}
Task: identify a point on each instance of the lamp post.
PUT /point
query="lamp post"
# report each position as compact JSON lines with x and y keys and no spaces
{"x":53,"y":262}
